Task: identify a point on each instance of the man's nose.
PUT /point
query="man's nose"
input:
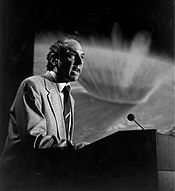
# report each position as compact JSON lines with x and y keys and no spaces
{"x":79,"y":60}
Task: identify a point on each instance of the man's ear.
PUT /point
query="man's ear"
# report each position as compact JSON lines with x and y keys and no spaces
{"x":54,"y":61}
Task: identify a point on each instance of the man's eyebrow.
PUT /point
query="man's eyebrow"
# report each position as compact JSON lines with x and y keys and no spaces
{"x":80,"y":51}
{"x":71,"y":51}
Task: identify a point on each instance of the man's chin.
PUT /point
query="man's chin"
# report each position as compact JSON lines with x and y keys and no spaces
{"x":73,"y":78}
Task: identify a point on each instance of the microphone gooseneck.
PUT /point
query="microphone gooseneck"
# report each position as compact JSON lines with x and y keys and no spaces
{"x":131,"y":117}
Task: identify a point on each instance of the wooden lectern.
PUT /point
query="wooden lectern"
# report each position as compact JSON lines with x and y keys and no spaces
{"x":123,"y":161}
{"x":134,"y":160}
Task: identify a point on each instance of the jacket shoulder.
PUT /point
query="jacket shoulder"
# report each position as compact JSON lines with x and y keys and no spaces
{"x":33,"y":80}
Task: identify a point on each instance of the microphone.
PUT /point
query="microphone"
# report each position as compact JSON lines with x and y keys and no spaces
{"x":131,"y":117}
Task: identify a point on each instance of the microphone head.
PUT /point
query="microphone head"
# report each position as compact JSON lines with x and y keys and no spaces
{"x":131,"y":117}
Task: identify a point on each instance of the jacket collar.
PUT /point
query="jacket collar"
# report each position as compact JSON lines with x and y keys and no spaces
{"x":49,"y":81}
{"x":52,"y":83}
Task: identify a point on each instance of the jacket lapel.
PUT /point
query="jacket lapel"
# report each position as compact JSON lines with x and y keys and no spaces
{"x":54,"y":100}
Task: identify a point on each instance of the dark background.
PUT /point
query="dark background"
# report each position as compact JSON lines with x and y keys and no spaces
{"x":95,"y":17}
{"x":22,"y":20}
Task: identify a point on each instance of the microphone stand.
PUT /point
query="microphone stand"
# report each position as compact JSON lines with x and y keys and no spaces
{"x":138,"y":124}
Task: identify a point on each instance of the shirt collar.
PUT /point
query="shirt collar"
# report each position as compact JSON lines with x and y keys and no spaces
{"x":60,"y":85}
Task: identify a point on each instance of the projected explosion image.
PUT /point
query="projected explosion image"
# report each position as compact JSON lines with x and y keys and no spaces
{"x":118,"y":78}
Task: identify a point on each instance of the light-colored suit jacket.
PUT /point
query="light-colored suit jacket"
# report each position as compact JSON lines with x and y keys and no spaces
{"x":36,"y":117}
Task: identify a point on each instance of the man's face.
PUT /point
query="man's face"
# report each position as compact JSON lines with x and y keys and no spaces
{"x":72,"y":63}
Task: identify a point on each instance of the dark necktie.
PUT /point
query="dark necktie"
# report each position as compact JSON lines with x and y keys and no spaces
{"x":67,"y":108}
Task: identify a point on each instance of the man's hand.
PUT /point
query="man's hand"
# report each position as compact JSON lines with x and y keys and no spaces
{"x":64,"y":145}
{"x":67,"y":145}
{"x":80,"y":145}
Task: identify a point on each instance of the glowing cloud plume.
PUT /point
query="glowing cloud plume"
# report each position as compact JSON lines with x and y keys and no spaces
{"x":127,"y":75}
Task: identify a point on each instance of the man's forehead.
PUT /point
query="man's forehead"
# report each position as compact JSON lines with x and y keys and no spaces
{"x":74,"y":45}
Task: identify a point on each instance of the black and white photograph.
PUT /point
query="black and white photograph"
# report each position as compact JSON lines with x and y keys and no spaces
{"x":87,"y":95}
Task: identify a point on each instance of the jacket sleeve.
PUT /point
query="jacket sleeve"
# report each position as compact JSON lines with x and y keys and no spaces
{"x":30,"y":119}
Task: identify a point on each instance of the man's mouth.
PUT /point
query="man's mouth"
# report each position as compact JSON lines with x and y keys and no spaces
{"x":75,"y":71}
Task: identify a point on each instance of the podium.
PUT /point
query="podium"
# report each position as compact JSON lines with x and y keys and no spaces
{"x":134,"y":160}
{"x":124,"y":161}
